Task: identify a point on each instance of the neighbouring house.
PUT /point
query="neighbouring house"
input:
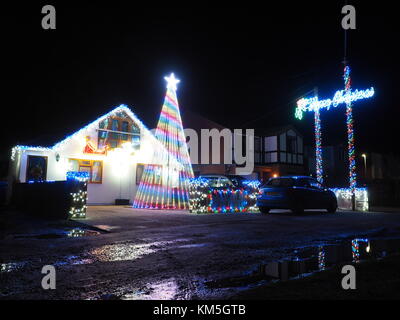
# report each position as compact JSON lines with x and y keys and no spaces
{"x":278,"y":151}
{"x":197,"y":123}
{"x":113,"y":149}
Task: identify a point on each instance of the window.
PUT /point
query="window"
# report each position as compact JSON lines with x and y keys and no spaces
{"x":114,"y":124}
{"x":291,"y":144}
{"x":280,"y":182}
{"x":157,"y":177}
{"x":225,"y":182}
{"x":139,"y":173}
{"x":118,"y":129}
{"x":93,"y":167}
{"x":213,"y":182}
{"x":304,"y":183}
{"x":257,"y":149}
{"x":125,"y":126}
{"x":36,"y":169}
{"x":97,"y":169}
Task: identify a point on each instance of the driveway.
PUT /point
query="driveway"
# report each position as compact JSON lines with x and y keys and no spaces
{"x":153,"y":254}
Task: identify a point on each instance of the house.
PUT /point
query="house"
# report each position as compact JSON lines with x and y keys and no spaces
{"x":113,"y":149}
{"x":197,"y":123}
{"x":278,"y":151}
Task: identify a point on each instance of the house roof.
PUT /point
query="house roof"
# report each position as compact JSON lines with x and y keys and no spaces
{"x":276,"y":130}
{"x":192,"y":120}
{"x":58,"y":144}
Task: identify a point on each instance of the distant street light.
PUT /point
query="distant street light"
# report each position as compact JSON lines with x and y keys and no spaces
{"x":365,"y":164}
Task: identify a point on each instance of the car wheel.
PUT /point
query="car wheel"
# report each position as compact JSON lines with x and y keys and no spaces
{"x":332,"y":208}
{"x":264,"y":210}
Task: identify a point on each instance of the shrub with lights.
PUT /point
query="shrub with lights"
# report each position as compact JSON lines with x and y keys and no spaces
{"x":77,"y":182}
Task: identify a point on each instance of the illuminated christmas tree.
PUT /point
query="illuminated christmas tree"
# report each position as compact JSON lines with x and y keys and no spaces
{"x":165,"y":182}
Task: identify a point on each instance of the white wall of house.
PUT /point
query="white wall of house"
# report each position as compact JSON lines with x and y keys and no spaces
{"x":119,"y":166}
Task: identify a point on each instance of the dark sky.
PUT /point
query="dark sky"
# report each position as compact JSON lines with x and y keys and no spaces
{"x":239,"y":66}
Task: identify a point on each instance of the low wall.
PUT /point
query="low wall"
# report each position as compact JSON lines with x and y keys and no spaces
{"x":53,"y":199}
{"x":344,"y":198}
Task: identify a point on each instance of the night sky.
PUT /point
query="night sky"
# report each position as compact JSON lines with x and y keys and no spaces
{"x":239,"y":66}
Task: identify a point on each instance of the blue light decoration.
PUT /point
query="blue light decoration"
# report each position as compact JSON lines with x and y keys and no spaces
{"x":40,"y":181}
{"x":205,"y":199}
{"x":346,"y":96}
{"x":342,"y":96}
{"x":78,"y":176}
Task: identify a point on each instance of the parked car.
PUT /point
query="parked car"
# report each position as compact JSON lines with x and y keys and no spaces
{"x":217,"y":181}
{"x":296,"y":193}
{"x":231,"y":180}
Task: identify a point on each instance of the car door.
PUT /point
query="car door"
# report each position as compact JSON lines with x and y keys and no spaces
{"x":318,"y":194}
{"x":304,"y":193}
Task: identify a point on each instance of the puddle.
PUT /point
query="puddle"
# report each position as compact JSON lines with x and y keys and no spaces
{"x":78,"y":232}
{"x":306,"y":261}
{"x":107,"y":253}
{"x":165,"y":290}
{"x":195,"y":245}
{"x":122,"y":252}
{"x":58,"y":234}
{"x":11,"y":266}
{"x":73,"y":260}
{"x":106,"y":227}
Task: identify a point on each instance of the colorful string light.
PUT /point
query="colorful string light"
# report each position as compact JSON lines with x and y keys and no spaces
{"x":350,"y":132}
{"x":205,"y":199}
{"x":318,"y":146}
{"x":166,"y":185}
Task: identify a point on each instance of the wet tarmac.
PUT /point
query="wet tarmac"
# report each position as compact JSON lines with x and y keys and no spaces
{"x":178,"y":256}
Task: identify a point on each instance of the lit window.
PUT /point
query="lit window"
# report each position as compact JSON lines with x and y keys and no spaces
{"x":93,"y":167}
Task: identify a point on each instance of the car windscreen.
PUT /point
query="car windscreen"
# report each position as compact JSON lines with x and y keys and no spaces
{"x":280,"y":182}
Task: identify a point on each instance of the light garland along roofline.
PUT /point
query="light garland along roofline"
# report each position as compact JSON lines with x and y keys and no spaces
{"x":32,"y":148}
{"x":58,"y":145}
{"x":122,"y":107}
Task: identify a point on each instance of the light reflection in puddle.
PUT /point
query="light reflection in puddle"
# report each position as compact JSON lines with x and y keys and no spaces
{"x":78,"y":232}
{"x":195,"y":245}
{"x":106,"y":227}
{"x":11,"y":266}
{"x":73,"y":260}
{"x":165,"y":290}
{"x":115,"y":252}
{"x":121,"y":252}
